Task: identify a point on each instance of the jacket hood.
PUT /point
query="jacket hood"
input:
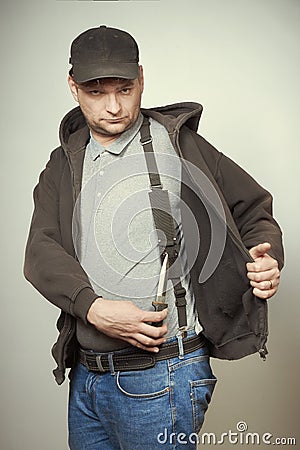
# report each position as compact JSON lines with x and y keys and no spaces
{"x":74,"y":133}
{"x":174,"y":116}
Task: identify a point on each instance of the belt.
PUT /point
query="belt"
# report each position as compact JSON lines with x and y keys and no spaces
{"x":137,"y":359}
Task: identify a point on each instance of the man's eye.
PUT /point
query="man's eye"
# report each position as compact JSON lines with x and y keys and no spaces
{"x":95,"y":92}
{"x":126,"y":91}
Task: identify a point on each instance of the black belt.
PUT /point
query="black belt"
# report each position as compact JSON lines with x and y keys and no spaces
{"x":137,"y":359}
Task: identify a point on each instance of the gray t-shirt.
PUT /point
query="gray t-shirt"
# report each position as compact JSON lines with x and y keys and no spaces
{"x":117,"y":243}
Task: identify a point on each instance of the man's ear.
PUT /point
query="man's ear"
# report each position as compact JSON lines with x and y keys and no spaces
{"x":141,"y":77}
{"x":73,"y":88}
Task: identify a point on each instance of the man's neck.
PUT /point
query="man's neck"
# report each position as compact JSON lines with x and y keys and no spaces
{"x":104,"y":140}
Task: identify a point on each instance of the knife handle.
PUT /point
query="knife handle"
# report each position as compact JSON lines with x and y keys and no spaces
{"x":158,"y":306}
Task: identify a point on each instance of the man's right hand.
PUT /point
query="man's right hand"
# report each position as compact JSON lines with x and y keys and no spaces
{"x":124,"y":320}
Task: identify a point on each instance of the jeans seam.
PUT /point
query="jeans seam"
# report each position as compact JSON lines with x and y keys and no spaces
{"x":172,"y":401}
{"x":193,"y":386}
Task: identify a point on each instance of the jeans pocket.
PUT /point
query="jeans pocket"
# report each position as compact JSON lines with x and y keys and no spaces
{"x":201,"y":392}
{"x":149,"y":383}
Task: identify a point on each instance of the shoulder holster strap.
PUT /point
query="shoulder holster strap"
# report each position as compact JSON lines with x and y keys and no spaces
{"x":164,"y":222}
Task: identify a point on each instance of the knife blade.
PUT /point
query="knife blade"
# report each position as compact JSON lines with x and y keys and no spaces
{"x":159,"y":303}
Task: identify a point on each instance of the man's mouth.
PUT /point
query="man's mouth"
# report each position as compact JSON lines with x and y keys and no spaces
{"x":117,"y":120}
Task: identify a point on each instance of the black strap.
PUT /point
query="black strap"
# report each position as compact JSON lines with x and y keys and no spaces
{"x":162,"y":215}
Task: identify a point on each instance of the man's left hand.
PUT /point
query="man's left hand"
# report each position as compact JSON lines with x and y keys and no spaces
{"x":263,"y":273}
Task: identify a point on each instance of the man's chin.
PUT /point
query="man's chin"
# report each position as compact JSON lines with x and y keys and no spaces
{"x":111,"y":129}
{"x":113,"y":132}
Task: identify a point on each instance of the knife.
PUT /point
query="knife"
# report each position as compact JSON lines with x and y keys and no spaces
{"x":159,"y":303}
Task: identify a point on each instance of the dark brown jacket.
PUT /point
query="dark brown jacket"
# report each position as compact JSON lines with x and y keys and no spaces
{"x":233,"y":319}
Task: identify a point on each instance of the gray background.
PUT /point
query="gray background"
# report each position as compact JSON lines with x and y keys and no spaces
{"x":240,"y":59}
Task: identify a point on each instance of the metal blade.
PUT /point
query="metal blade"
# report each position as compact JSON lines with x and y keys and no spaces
{"x":162,"y":283}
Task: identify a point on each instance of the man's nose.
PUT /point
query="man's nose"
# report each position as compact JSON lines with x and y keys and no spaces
{"x":112,"y":104}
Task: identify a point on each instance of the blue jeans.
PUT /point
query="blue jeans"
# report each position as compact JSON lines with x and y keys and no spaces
{"x":158,"y":408}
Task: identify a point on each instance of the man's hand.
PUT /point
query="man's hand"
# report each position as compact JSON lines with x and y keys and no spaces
{"x":124,"y":320}
{"x":263,"y":273}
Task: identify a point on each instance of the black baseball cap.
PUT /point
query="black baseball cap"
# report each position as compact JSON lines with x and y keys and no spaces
{"x":104,"y":52}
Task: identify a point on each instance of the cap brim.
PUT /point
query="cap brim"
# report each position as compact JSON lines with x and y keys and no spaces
{"x":89,"y":72}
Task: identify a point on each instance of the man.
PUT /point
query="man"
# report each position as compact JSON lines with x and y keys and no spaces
{"x":159,"y":251}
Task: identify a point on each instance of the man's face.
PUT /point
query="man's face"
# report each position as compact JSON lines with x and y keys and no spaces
{"x":110,"y":105}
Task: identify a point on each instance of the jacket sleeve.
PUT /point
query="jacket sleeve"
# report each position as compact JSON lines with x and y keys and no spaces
{"x":251,"y":207}
{"x":49,"y":267}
